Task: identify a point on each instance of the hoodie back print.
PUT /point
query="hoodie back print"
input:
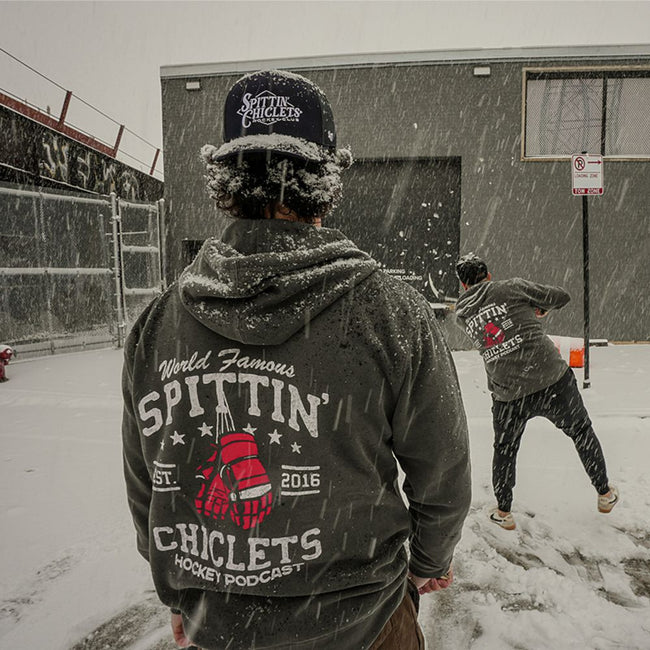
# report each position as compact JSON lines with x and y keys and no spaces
{"x":267,"y":395}
{"x":499,"y":318}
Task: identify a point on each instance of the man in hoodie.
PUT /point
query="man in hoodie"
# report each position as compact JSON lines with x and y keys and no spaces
{"x":270,"y":395}
{"x":526,"y":376}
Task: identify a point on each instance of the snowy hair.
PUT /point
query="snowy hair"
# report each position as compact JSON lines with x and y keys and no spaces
{"x":246,"y":184}
{"x":471,"y":269}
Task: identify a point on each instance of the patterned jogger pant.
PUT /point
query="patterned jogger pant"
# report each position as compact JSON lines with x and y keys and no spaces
{"x":560,"y":403}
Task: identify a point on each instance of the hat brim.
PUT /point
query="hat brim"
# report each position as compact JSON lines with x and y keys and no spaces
{"x":275,"y":143}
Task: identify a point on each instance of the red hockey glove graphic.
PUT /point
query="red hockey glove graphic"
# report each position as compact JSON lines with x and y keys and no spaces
{"x":492,"y":335}
{"x":245,"y":479}
{"x":212,"y":499}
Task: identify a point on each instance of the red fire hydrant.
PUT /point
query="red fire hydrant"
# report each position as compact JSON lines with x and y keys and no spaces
{"x":6,"y":353}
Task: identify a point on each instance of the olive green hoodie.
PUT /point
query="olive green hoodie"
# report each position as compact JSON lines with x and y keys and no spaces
{"x":499,"y":317}
{"x":267,"y":396}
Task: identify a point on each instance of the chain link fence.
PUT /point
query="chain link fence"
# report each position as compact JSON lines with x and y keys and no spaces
{"x":70,"y":279}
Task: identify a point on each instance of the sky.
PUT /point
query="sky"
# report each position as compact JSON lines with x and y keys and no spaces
{"x":109,"y":53}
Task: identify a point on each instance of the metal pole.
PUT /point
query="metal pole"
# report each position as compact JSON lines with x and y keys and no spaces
{"x":117,"y":270}
{"x":153,"y":164}
{"x":603,"y":118}
{"x":64,"y":109}
{"x":162,"y":256}
{"x":40,"y":237}
{"x":50,"y":196}
{"x":585,"y":270}
{"x":118,"y":140}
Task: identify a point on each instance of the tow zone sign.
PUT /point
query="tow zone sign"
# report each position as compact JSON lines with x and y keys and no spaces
{"x":587,"y":174}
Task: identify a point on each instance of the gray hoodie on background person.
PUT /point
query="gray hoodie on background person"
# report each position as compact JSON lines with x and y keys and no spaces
{"x":285,"y":351}
{"x":499,"y":318}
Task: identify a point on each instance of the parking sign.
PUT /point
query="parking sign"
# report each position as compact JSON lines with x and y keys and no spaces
{"x":587,"y":174}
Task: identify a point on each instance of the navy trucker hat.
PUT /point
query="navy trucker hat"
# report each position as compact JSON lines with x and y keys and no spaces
{"x":277,"y":111}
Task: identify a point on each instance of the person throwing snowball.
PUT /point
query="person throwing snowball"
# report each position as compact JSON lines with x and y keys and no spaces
{"x":526,"y":376}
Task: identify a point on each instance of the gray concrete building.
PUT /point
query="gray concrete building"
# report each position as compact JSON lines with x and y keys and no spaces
{"x":462,"y":151}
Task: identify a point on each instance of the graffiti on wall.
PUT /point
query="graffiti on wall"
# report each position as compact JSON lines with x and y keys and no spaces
{"x":49,"y":157}
{"x":76,"y":165}
{"x":55,"y":158}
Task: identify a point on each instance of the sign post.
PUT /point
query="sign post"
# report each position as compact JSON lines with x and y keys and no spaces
{"x":587,"y":179}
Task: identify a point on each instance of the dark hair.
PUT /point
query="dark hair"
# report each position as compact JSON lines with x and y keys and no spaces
{"x":244,"y":185}
{"x":471,"y":269}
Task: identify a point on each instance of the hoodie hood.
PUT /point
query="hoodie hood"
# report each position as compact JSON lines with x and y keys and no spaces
{"x":469,"y":303}
{"x":264,"y":280}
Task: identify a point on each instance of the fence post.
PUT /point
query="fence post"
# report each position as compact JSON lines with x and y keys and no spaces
{"x":162,"y":255}
{"x":64,"y":109}
{"x":48,"y":280}
{"x":153,"y":164}
{"x":117,"y":270}
{"x":118,"y":140}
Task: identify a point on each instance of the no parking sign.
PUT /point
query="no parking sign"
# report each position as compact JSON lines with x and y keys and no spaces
{"x":587,"y":179}
{"x":587,"y":174}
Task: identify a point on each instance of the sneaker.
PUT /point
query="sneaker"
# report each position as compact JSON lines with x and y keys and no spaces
{"x":607,"y":501}
{"x":507,"y":522}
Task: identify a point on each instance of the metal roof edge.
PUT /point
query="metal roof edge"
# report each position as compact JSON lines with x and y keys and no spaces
{"x":432,"y":57}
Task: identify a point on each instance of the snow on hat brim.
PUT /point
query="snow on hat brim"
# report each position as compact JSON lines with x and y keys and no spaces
{"x":273,"y":142}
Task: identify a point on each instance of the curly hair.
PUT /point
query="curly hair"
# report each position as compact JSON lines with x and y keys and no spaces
{"x":246,"y":185}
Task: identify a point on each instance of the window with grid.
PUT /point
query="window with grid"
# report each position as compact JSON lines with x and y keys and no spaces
{"x":593,"y":111}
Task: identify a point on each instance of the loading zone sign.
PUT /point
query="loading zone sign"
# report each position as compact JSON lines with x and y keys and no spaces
{"x":587,"y":174}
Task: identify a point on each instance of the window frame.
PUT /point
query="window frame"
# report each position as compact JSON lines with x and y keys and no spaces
{"x":578,"y":72}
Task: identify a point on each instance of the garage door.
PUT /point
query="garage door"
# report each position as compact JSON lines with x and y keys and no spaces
{"x":406,"y":214}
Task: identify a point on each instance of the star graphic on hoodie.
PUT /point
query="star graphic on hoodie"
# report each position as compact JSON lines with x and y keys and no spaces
{"x":205,"y":430}
{"x":275,"y":437}
{"x":177,"y":438}
{"x":250,"y":429}
{"x":295,"y":447}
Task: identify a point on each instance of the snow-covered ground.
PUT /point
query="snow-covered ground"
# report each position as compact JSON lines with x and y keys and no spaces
{"x":567,"y":578}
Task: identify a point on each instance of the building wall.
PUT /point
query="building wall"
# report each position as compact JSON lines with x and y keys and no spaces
{"x":519,"y":215}
{"x":33,"y":154}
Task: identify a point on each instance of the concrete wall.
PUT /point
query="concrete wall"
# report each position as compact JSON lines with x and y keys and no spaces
{"x":520,"y":215}
{"x":33,"y":154}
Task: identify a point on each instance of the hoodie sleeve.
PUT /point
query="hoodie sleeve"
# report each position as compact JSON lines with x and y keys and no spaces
{"x":543,"y":296}
{"x":432,"y":447}
{"x":138,"y":480}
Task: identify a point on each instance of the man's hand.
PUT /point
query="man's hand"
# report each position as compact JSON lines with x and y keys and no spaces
{"x":427,"y":585}
{"x":179,"y":632}
{"x":540,"y":313}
